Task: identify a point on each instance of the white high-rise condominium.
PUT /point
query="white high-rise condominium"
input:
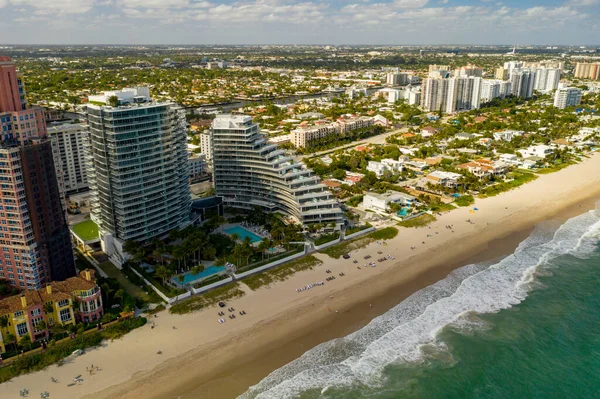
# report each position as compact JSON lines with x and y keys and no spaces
{"x":398,"y":78}
{"x":511,"y":65}
{"x":463,"y":94}
{"x":138,"y":172}
{"x":546,"y":79}
{"x":69,"y":141}
{"x":567,"y":97}
{"x":494,"y":88}
{"x":522,"y":82}
{"x":249,"y":172}
{"x":450,"y":95}
{"x":469,"y":70}
{"x":434,"y":94}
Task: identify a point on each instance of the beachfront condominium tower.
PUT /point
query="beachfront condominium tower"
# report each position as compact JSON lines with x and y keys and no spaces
{"x":250,"y":172}
{"x":35,"y":244}
{"x":522,"y":82}
{"x":137,"y":171}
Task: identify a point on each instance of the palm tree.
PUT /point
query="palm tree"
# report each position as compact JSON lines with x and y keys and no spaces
{"x":25,"y":342}
{"x":163,"y":273}
{"x":209,"y":253}
{"x":120,"y":294}
{"x":181,"y":278}
{"x":11,"y":339}
{"x":131,"y":247}
{"x":197,"y":269}
{"x":235,"y":237}
{"x":263,"y":246}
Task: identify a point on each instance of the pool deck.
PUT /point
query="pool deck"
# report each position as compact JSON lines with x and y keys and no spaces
{"x":248,"y":229}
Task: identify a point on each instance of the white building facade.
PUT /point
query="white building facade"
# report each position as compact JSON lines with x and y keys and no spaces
{"x":70,"y":142}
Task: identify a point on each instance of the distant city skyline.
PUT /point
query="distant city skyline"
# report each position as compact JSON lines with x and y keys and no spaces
{"x":551,"y":22}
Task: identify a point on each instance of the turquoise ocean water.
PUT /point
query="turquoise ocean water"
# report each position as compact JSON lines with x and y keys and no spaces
{"x":527,"y":326}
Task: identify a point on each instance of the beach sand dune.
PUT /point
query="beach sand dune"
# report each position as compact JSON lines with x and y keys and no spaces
{"x":204,"y":359}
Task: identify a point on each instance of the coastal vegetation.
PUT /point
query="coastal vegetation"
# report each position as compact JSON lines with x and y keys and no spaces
{"x":281,"y":273}
{"x":419,"y":221}
{"x":211,"y":298}
{"x":57,"y":351}
{"x":338,"y":250}
{"x":465,"y":200}
{"x":517,"y":178}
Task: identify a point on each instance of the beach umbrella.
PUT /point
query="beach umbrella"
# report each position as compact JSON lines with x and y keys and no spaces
{"x":475,"y":209}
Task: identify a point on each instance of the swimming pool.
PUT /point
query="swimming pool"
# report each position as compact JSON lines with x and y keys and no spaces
{"x":243,"y":233}
{"x":191,"y":277}
{"x":403,"y":212}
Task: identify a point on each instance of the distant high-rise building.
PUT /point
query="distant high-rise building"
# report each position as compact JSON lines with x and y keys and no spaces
{"x":249,"y":172}
{"x":450,"y":95}
{"x":468,"y":71}
{"x":434,"y":94}
{"x":70,"y":141}
{"x":138,"y":172}
{"x":546,"y":79}
{"x":522,"y":82}
{"x":35,"y":244}
{"x":511,"y":65}
{"x":491,"y":89}
{"x":435,"y":67}
{"x":585,"y":70}
{"x":567,"y":97}
{"x":398,"y":78}
{"x":463,"y":94}
{"x":501,"y":73}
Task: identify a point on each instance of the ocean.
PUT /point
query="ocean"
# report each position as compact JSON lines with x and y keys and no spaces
{"x":525,"y":326}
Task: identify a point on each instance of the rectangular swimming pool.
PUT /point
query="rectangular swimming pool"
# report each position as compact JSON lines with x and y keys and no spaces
{"x":191,"y":277}
{"x":243,"y":233}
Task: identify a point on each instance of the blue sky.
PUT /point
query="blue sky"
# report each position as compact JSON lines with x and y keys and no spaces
{"x":300,"y":22}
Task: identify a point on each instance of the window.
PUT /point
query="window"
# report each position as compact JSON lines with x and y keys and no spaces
{"x":63,"y":303}
{"x":65,"y":315}
{"x":21,"y":329}
{"x":36,"y":312}
{"x":18,"y":313}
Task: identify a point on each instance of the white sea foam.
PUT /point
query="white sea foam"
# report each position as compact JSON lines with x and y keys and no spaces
{"x":400,"y":334}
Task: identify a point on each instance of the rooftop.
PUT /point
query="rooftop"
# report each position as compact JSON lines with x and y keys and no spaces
{"x":87,"y":230}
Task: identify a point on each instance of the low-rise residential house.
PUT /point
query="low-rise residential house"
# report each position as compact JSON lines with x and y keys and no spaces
{"x":353,"y":178}
{"x":510,"y":159}
{"x":508,"y":135}
{"x":381,"y":202}
{"x":428,"y":131}
{"x":310,"y":115}
{"x":446,"y":179}
{"x":540,"y":150}
{"x":380,"y":120}
{"x":386,"y":165}
{"x":464,"y":136}
{"x":416,"y":165}
{"x":485,"y":168}
{"x":486,"y":142}
{"x":65,"y":302}
{"x":332,"y":184}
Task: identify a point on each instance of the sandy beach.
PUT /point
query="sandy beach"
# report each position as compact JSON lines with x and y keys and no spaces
{"x":204,"y":359}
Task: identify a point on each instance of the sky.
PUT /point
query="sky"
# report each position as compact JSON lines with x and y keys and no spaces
{"x":392,"y":22}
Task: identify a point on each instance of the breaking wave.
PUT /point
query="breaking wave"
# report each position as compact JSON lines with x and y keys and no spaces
{"x":406,"y":333}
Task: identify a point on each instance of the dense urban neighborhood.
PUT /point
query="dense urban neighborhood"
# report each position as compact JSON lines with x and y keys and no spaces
{"x":140,"y":178}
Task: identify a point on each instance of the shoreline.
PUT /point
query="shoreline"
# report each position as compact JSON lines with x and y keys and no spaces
{"x":202,"y":359}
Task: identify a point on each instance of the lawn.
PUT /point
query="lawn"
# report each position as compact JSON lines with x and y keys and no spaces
{"x":281,"y":273}
{"x":336,"y":251}
{"x":87,"y":230}
{"x":419,"y":221}
{"x":325,"y":238}
{"x":132,"y":289}
{"x":519,"y":178}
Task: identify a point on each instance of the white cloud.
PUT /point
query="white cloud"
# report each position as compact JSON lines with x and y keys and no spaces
{"x":583,"y":2}
{"x":56,"y":6}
